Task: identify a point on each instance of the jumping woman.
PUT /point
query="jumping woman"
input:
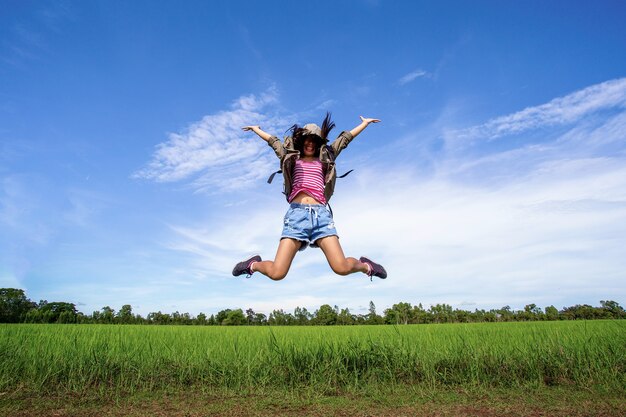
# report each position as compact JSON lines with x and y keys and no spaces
{"x":308,"y":167}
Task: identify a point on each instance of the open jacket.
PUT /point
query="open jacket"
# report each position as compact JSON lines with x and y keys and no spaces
{"x":328,"y":153}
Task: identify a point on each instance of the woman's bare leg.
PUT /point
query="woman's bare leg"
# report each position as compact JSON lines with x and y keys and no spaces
{"x":337,"y":260}
{"x":277,"y":269}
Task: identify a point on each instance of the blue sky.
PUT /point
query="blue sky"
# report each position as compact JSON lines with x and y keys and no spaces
{"x":496,"y":177}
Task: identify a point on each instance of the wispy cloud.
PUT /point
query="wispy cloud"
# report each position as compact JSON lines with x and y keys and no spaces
{"x":559,"y":111}
{"x":214,"y":154}
{"x":412,"y":76}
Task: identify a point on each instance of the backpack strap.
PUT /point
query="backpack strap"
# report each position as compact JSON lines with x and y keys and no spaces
{"x":271,"y":178}
{"x":346,"y":174}
{"x":330,"y":151}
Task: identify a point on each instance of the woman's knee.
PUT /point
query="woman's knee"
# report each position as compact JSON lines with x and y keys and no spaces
{"x":277,"y":274}
{"x":341,"y":268}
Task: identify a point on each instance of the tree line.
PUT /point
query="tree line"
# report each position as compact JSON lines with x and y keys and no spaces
{"x":15,"y":307}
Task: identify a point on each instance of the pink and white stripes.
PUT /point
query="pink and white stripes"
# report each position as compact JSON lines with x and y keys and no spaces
{"x":308,"y":177}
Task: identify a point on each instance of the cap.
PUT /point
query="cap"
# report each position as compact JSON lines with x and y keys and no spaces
{"x":312,"y":129}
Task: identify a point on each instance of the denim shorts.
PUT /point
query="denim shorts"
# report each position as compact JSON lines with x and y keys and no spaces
{"x":308,"y":223}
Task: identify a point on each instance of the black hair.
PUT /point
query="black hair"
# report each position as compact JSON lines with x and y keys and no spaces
{"x":327,"y":125}
{"x":298,"y":134}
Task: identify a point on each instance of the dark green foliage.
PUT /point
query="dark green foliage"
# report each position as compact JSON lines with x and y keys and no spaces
{"x":221,"y":316}
{"x":16,"y":308}
{"x":235,"y":318}
{"x":325,"y":316}
{"x":14,"y":305}
{"x":53,"y":312}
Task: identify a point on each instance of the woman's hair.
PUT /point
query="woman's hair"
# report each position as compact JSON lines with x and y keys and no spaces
{"x":299,"y":133}
{"x":327,"y":126}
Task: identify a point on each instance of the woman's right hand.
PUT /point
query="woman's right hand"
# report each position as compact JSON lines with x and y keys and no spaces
{"x":257,"y":129}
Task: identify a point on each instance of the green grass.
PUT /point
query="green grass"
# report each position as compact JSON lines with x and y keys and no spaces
{"x":80,"y":358}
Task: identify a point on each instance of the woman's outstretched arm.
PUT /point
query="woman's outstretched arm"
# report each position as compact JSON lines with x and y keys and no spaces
{"x":257,"y":129}
{"x":364,"y":123}
{"x":346,"y":137}
{"x":273,"y":141}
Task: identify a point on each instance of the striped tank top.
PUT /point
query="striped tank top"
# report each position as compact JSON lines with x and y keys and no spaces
{"x":308,"y":177}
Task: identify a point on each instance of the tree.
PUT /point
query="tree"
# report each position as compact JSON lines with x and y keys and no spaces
{"x":67,"y":317}
{"x":372,"y":317}
{"x":250,"y":315}
{"x":260,"y":319}
{"x":201,"y":319}
{"x":108,"y":315}
{"x":491,"y":315}
{"x":221,"y":316}
{"x":14,"y":305}
{"x":551,"y":313}
{"x":255,"y":319}
{"x":613,"y":309}
{"x":58,"y":312}
{"x":579,"y":312}
{"x":326,"y":315}
{"x":125,"y":315}
{"x":419,"y":315}
{"x":505,"y":313}
{"x":461,"y":316}
{"x":301,"y":316}
{"x":34,"y":316}
{"x":531,"y":312}
{"x":478,"y":316}
{"x":82,"y":319}
{"x":186,"y":319}
{"x":159,"y":318}
{"x":398,"y":314}
{"x":234,"y":318}
{"x":344,"y":317}
{"x":280,"y":318}
{"x":442,"y":313}
{"x":181,"y":318}
{"x":95,"y":317}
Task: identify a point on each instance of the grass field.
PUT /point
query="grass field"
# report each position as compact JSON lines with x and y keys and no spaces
{"x":93,"y":360}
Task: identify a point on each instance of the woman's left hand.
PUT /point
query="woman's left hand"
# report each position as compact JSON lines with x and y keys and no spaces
{"x":368,"y":121}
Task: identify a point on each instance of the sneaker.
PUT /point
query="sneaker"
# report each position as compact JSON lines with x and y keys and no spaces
{"x":375,"y":269}
{"x":244,"y":267}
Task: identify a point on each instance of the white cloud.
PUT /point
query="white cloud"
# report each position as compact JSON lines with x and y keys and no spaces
{"x":559,"y":111}
{"x":219,"y":247}
{"x":412,"y":76}
{"x":214,"y":153}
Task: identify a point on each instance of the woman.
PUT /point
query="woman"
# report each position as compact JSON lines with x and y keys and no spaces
{"x":308,"y":167}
